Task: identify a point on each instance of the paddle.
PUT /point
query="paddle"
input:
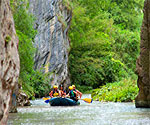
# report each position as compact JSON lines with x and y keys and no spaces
{"x":46,"y":99}
{"x":87,"y":100}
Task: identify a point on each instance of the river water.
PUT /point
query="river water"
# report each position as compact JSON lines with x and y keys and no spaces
{"x":96,"y":113}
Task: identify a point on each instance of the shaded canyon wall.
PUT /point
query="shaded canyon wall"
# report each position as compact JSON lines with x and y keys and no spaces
{"x":9,"y":59}
{"x":143,"y":62}
{"x":52,"y":23}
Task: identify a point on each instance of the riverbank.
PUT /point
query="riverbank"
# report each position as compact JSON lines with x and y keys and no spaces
{"x":122,"y":91}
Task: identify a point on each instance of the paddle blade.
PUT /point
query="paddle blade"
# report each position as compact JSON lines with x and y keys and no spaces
{"x":47,"y":101}
{"x":88,"y":100}
{"x":45,"y":98}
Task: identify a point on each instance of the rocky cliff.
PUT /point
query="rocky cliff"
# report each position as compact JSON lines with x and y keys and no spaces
{"x":52,"y":23}
{"x":143,"y":67}
{"x":9,"y":59}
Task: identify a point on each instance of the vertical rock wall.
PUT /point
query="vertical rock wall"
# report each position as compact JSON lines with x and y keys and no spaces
{"x":52,"y":23}
{"x":143,"y":62}
{"x":9,"y":59}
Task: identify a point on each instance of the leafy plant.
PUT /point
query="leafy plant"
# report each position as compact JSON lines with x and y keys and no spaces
{"x":7,"y":39}
{"x":123,"y":91}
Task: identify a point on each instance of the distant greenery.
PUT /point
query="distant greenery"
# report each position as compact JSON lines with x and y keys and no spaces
{"x":95,"y":67}
{"x":123,"y":91}
{"x":34,"y":83}
{"x":105,"y":38}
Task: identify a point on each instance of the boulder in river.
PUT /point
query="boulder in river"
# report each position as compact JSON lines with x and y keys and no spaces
{"x":22,"y":99}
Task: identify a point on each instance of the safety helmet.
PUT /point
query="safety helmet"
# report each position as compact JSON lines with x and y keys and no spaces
{"x":73,"y":86}
{"x":55,"y":86}
{"x":70,"y":87}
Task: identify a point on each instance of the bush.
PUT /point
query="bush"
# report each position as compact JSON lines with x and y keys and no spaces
{"x":35,"y":84}
{"x":123,"y":91}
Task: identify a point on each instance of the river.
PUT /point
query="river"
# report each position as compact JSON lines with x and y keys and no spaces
{"x":96,"y":113}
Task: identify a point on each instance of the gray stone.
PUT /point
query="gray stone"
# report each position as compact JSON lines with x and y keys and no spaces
{"x":52,"y":23}
{"x":143,"y":68}
{"x":9,"y":59}
{"x":22,"y":99}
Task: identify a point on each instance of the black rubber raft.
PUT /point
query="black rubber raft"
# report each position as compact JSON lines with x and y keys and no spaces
{"x":58,"y":101}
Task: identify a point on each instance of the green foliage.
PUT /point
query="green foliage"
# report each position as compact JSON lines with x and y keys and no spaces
{"x":125,"y":13}
{"x":7,"y":39}
{"x":126,"y":46}
{"x":34,"y":83}
{"x":84,"y":88}
{"x":24,"y":21}
{"x":104,"y":40}
{"x":123,"y":91}
{"x":67,"y":4}
{"x":25,"y":31}
{"x":96,"y":64}
{"x":26,"y":51}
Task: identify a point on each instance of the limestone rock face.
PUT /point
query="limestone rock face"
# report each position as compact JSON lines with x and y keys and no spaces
{"x":9,"y":59}
{"x":143,"y":62}
{"x":52,"y":23}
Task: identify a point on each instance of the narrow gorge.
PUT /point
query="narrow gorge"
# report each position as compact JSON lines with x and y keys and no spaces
{"x":95,"y":45}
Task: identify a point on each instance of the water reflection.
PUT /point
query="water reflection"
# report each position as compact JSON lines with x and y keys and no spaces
{"x":96,"y":113}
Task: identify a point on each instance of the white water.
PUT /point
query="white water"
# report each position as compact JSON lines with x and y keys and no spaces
{"x":96,"y":113}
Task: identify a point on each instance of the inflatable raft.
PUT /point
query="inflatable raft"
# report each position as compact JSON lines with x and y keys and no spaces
{"x":58,"y":101}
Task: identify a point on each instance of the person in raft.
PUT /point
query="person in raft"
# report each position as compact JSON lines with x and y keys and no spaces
{"x":72,"y":94}
{"x":77,"y":91}
{"x":54,"y":92}
{"x":62,"y":91}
